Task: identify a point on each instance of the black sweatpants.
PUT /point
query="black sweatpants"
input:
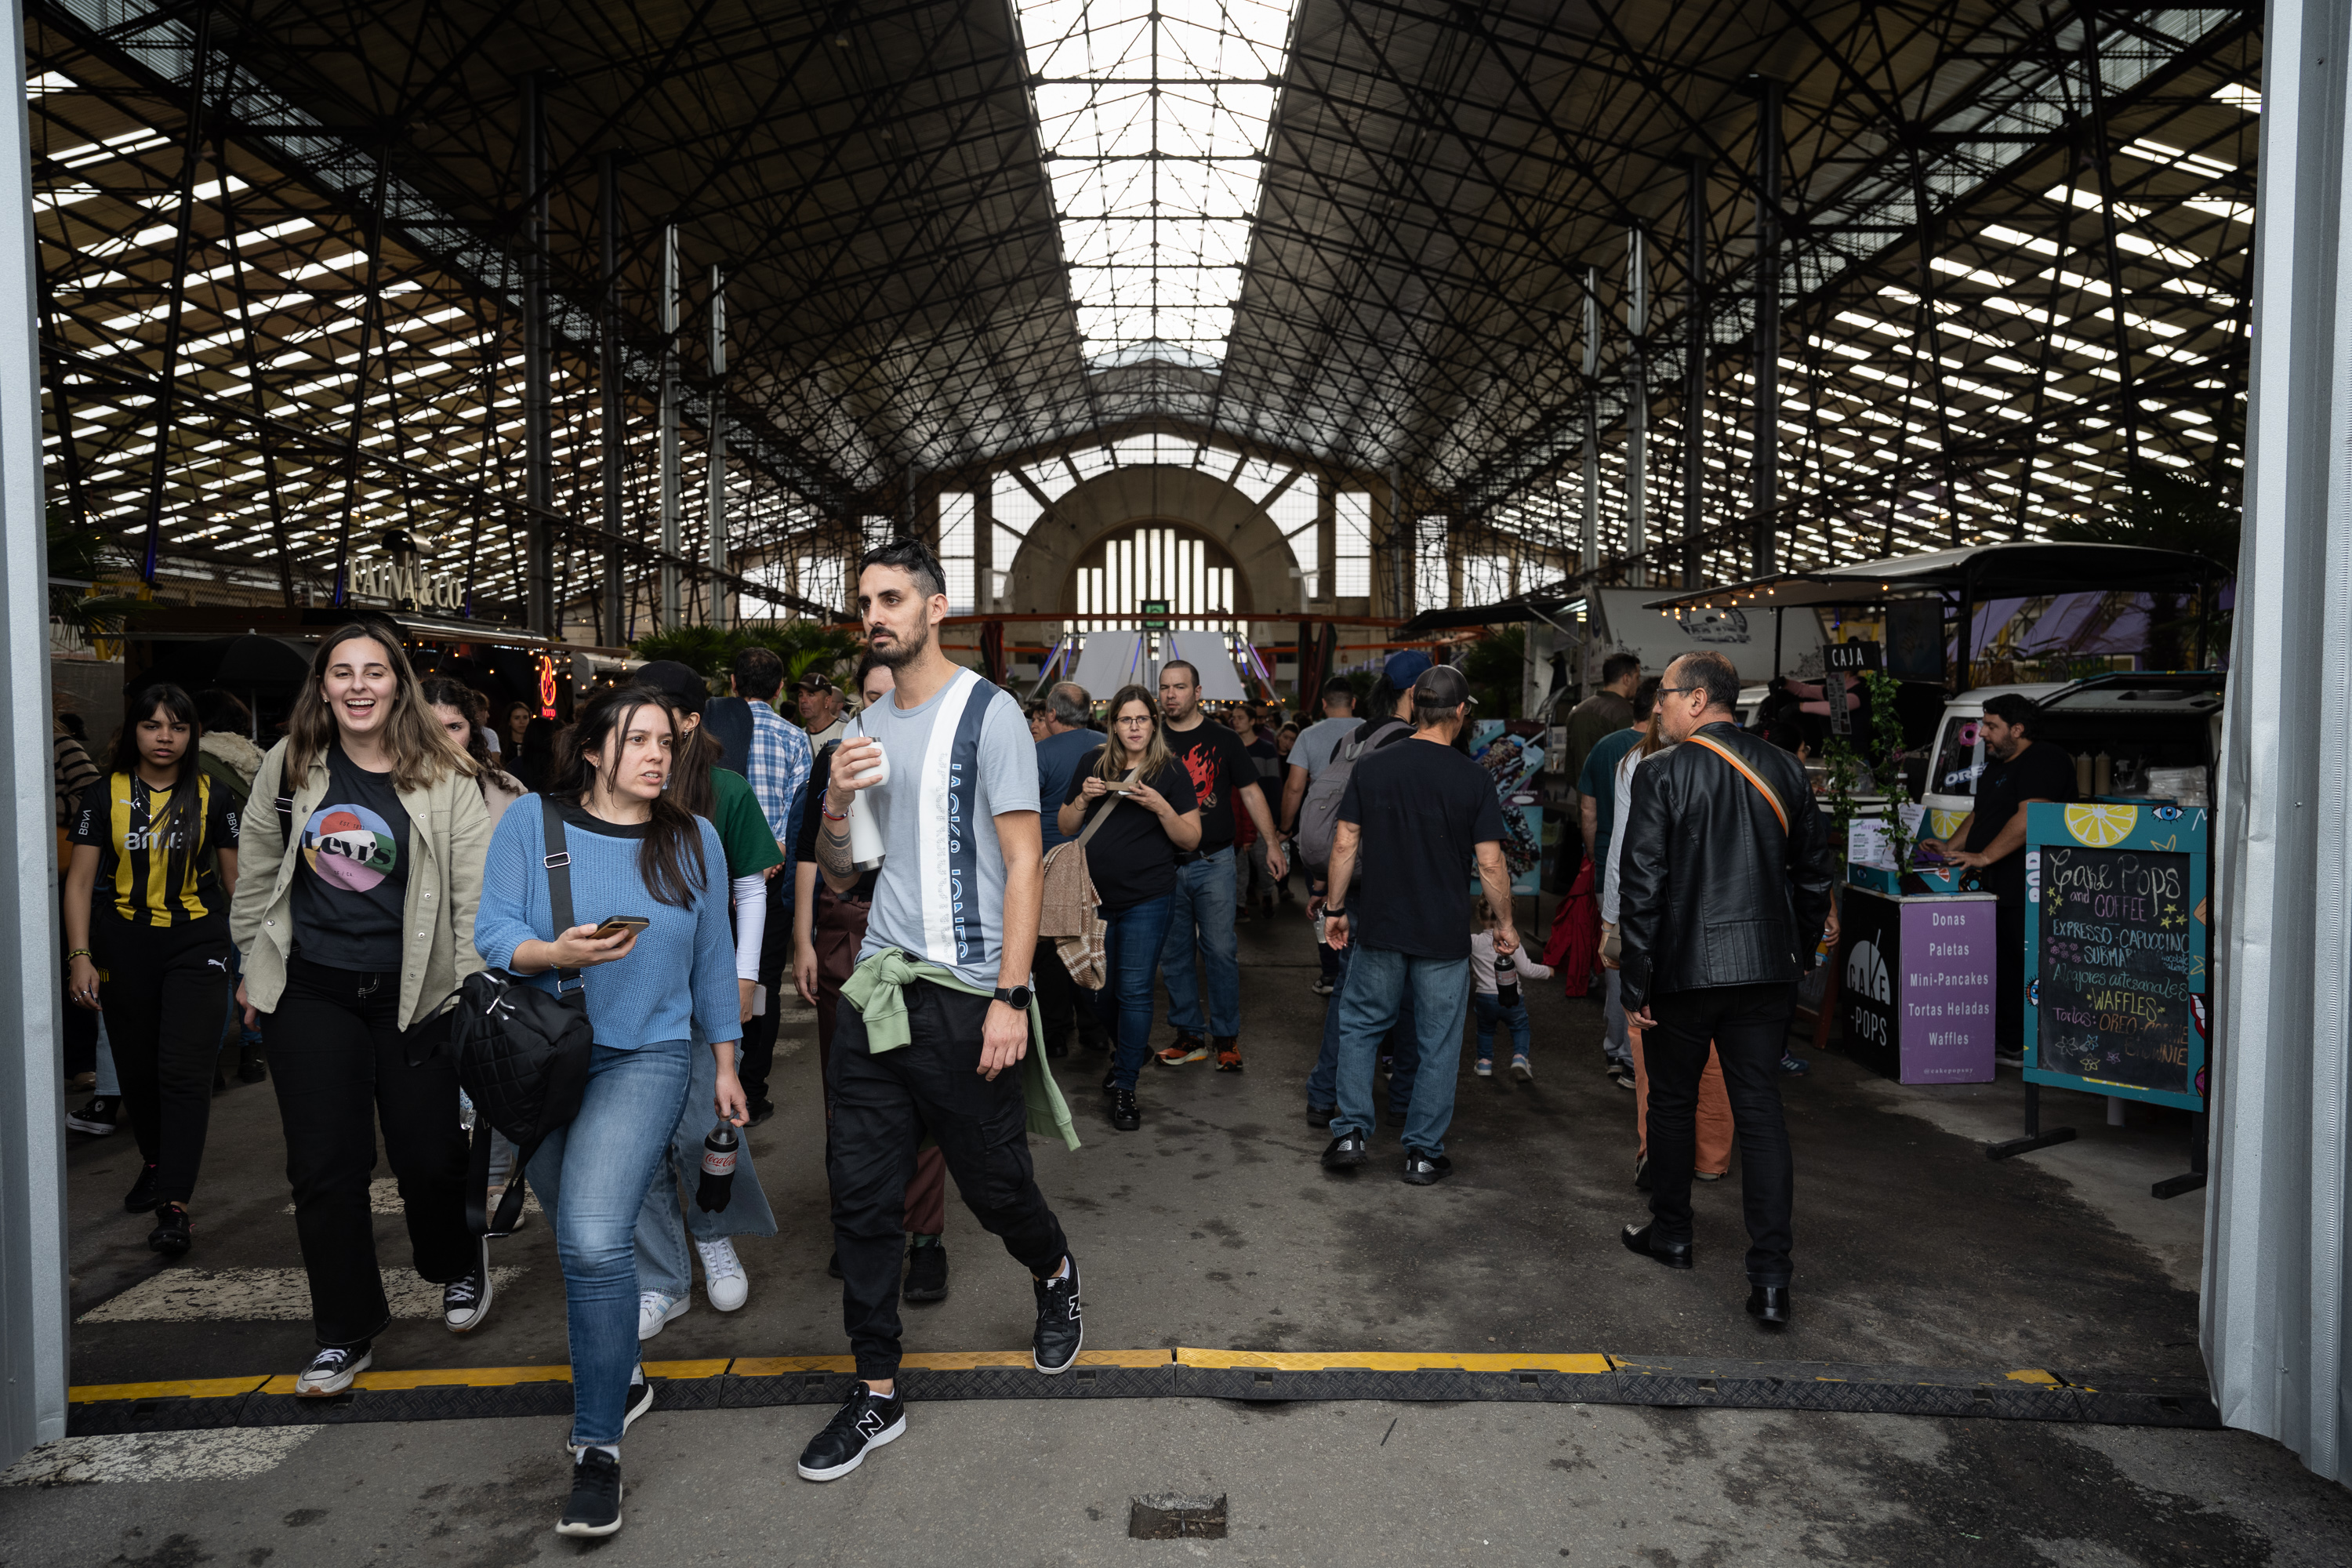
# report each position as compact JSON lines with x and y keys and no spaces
{"x":336,"y":1058}
{"x":165,"y":993}
{"x":1749,"y":1027}
{"x":758,"y":1056}
{"x":882,"y":1106}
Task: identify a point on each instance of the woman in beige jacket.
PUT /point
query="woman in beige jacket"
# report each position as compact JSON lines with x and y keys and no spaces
{"x":354,"y":914}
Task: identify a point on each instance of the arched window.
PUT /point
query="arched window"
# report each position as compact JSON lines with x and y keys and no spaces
{"x":1154,"y":561}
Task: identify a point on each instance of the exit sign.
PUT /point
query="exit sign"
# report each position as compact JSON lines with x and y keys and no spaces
{"x":1155,"y":614}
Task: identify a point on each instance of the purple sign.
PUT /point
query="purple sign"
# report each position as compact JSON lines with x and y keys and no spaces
{"x":1917,"y":991}
{"x":1945,"y":990}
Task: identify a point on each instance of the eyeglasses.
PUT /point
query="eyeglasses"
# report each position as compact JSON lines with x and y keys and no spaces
{"x":1672,"y":691}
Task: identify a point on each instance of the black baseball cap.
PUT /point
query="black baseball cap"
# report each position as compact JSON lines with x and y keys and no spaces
{"x":687,"y":691}
{"x":1441,"y":686}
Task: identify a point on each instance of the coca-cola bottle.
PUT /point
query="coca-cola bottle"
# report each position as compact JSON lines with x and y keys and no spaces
{"x":717,"y":1184}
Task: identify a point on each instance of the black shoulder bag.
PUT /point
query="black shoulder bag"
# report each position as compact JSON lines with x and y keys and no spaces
{"x":522,"y":1054}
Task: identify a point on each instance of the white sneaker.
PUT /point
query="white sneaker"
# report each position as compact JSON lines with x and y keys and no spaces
{"x":722,"y":1274}
{"x":656,"y":1311}
{"x":1521,"y":1071}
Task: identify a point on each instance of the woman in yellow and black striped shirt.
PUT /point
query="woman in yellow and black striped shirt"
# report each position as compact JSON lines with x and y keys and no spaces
{"x":154,"y":862}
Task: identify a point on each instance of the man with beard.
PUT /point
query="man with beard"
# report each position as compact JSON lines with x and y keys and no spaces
{"x":1224,"y":777}
{"x":935,"y":1035}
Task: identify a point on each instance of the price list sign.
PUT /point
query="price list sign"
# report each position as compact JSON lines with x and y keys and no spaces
{"x":2116,"y":966}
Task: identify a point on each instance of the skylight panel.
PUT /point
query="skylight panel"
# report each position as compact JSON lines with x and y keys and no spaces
{"x":1155,"y":115}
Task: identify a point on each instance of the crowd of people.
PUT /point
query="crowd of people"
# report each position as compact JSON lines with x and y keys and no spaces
{"x":964,"y":889}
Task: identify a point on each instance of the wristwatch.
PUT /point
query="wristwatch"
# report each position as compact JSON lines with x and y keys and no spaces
{"x":1014,"y":996}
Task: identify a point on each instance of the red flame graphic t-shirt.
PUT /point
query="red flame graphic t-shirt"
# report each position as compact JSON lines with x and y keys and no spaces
{"x":1219,"y":765}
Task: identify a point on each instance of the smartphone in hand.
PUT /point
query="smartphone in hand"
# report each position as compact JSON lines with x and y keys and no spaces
{"x":614,"y":925}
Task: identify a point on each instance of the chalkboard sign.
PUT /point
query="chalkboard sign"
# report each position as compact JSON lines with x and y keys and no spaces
{"x":2115,"y":932}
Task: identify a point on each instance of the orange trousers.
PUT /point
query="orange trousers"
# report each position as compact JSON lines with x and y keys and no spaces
{"x":1713,"y":1117}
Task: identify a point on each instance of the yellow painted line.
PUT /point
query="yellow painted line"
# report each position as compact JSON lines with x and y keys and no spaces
{"x":1126,"y":1358}
{"x":685,"y":1369}
{"x":1391,"y":1361}
{"x":198,"y":1388}
{"x":2034,"y":1374}
{"x":785,"y":1365}
{"x":441,"y":1377}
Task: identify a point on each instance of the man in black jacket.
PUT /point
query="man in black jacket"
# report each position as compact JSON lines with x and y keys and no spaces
{"x":1723,"y":892}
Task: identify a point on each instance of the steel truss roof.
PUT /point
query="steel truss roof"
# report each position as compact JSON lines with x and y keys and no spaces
{"x":2012,"y":268}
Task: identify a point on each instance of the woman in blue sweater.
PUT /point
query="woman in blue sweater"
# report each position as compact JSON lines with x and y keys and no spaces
{"x":634,"y":854}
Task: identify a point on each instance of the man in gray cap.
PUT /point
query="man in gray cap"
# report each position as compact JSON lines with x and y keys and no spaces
{"x":1416,"y":816}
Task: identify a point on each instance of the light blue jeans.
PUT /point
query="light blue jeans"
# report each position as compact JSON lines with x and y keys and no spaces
{"x":665,"y":1262}
{"x":1379,"y":981}
{"x":591,"y":1177}
{"x":1204,"y":898}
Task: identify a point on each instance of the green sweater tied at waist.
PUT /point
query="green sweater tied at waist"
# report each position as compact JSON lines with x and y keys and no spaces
{"x":876,"y":989}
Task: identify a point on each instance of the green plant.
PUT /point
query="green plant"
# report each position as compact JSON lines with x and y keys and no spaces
{"x":1881,"y":754}
{"x":1496,"y":666}
{"x":83,"y":553}
{"x":803,"y":646}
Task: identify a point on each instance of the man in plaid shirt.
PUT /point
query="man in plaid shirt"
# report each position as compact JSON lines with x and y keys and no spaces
{"x":778,"y":768}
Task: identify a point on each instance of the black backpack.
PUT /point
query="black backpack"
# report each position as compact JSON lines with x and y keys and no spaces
{"x":522,"y":1054}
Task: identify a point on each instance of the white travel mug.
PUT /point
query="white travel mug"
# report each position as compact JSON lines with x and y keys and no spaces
{"x":865,"y":810}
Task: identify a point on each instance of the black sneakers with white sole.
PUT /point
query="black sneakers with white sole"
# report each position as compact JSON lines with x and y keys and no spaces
{"x":864,"y":1422}
{"x":466,"y":1301}
{"x":595,"y":1506}
{"x":1060,"y":1328}
{"x":639,"y":1400}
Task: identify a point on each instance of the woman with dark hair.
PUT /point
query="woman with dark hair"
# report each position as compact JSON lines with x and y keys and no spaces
{"x":363,"y":863}
{"x":535,"y":754}
{"x":1131,"y":860}
{"x":153,"y":952}
{"x":511,"y":725}
{"x":634,"y":854}
{"x":451,"y":704}
{"x":723,"y":798}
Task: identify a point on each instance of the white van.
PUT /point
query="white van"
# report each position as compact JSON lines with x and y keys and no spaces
{"x":2140,"y":719}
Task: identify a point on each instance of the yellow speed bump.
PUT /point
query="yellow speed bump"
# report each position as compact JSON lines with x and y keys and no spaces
{"x":1391,"y":1361}
{"x":198,"y":1388}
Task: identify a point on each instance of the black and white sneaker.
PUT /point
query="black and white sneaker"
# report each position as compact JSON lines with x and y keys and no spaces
{"x":1346,"y":1152}
{"x":99,"y":1118}
{"x":864,"y":1422}
{"x":466,"y":1302}
{"x":595,"y":1505}
{"x":1125,"y":1114}
{"x":332,"y":1370}
{"x":1424,"y":1170}
{"x":1060,"y":1330}
{"x":640,"y":1398}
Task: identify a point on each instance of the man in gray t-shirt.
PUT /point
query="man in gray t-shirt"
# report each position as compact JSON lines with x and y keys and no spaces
{"x":960,"y":887}
{"x":958,"y":761}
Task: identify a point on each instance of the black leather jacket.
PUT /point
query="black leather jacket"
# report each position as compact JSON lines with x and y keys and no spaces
{"x":1711,"y":892}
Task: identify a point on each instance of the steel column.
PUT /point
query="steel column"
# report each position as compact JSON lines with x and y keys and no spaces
{"x":1694,"y":377}
{"x":1637,"y":403}
{"x":539,"y":458}
{"x":613,"y":426}
{"x":1592,"y":320}
{"x":717,"y":498}
{"x":669,"y":475}
{"x":191,"y":153}
{"x":33,"y":1312}
{"x":1765,"y":499}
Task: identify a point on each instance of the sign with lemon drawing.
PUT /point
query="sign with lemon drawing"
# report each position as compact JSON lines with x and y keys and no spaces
{"x":2116,"y":945}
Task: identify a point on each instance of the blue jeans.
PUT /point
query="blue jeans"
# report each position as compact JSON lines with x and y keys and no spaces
{"x":1132,"y":940}
{"x":1404,"y":1050}
{"x":1378,"y":982}
{"x":1491,"y":1009}
{"x":664,"y":1263}
{"x":1204,"y":898}
{"x":591,"y":1178}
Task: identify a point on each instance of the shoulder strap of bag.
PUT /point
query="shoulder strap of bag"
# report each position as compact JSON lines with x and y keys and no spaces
{"x":479,"y":1217}
{"x":1749,"y":774}
{"x":558,"y":861}
{"x":1104,"y":815}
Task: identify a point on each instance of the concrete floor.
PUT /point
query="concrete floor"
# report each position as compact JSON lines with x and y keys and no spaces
{"x":1214,"y":1227}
